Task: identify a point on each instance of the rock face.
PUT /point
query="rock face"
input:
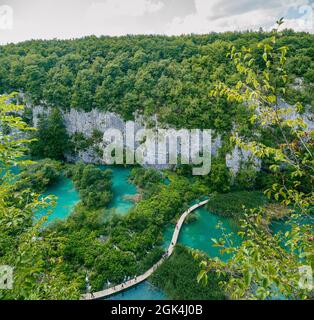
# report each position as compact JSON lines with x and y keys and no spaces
{"x":237,"y":156}
{"x":86,"y":122}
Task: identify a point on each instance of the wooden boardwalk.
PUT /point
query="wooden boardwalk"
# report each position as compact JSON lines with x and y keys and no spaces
{"x":144,"y":276}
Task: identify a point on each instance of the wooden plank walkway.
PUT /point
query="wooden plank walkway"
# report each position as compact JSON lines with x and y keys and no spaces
{"x":141,"y":278}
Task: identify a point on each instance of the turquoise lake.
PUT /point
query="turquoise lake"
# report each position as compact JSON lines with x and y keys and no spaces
{"x":122,"y":188}
{"x":68,"y":197}
{"x":282,"y":226}
{"x":197,"y":234}
{"x":143,"y":291}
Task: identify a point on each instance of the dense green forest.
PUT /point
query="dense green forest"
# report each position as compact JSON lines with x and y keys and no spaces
{"x":168,"y":76}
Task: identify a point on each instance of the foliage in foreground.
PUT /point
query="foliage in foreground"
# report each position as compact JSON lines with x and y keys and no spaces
{"x":40,"y":175}
{"x":267,"y":265}
{"x":36,"y":260}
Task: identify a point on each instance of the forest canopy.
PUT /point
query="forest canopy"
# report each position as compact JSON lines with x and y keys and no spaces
{"x":145,"y":74}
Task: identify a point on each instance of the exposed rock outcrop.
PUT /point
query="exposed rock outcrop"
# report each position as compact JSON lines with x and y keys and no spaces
{"x":86,"y":122}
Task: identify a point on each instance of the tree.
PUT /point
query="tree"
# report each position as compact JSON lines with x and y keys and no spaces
{"x":268,"y":265}
{"x":40,"y":175}
{"x":84,"y":90}
{"x":57,"y":89}
{"x":52,"y":140}
{"x":93,"y":184}
{"x":36,"y":260}
{"x":34,"y":82}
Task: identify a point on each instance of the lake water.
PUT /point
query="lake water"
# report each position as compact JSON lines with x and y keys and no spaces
{"x":143,"y":291}
{"x":197,"y":234}
{"x":68,"y":197}
{"x":122,"y":188}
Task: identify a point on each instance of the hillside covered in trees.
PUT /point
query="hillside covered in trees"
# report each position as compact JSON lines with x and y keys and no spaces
{"x":168,"y":76}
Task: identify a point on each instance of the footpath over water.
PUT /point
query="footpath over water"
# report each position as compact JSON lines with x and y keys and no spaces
{"x":130,"y":283}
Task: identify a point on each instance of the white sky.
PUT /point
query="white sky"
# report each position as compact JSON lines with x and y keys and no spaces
{"x":47,"y":19}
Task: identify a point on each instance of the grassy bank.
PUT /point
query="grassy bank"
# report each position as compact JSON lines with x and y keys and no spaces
{"x":177,"y":277}
{"x":233,"y":204}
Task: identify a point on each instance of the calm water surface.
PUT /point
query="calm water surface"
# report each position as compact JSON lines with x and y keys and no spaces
{"x":197,"y":234}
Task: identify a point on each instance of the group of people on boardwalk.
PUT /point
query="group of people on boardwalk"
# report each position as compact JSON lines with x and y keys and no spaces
{"x":169,"y":251}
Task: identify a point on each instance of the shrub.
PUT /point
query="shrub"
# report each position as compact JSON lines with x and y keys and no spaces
{"x":232,"y":204}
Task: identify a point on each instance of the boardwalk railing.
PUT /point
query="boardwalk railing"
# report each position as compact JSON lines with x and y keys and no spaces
{"x":144,"y":276}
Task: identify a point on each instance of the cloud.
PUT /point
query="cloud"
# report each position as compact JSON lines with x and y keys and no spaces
{"x":47,"y":19}
{"x":224,"y":15}
{"x":119,"y":17}
{"x":300,"y":24}
{"x":128,"y":8}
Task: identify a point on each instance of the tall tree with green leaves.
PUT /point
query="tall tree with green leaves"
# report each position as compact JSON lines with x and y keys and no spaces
{"x":51,"y":138}
{"x":36,"y":259}
{"x":268,"y":265}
